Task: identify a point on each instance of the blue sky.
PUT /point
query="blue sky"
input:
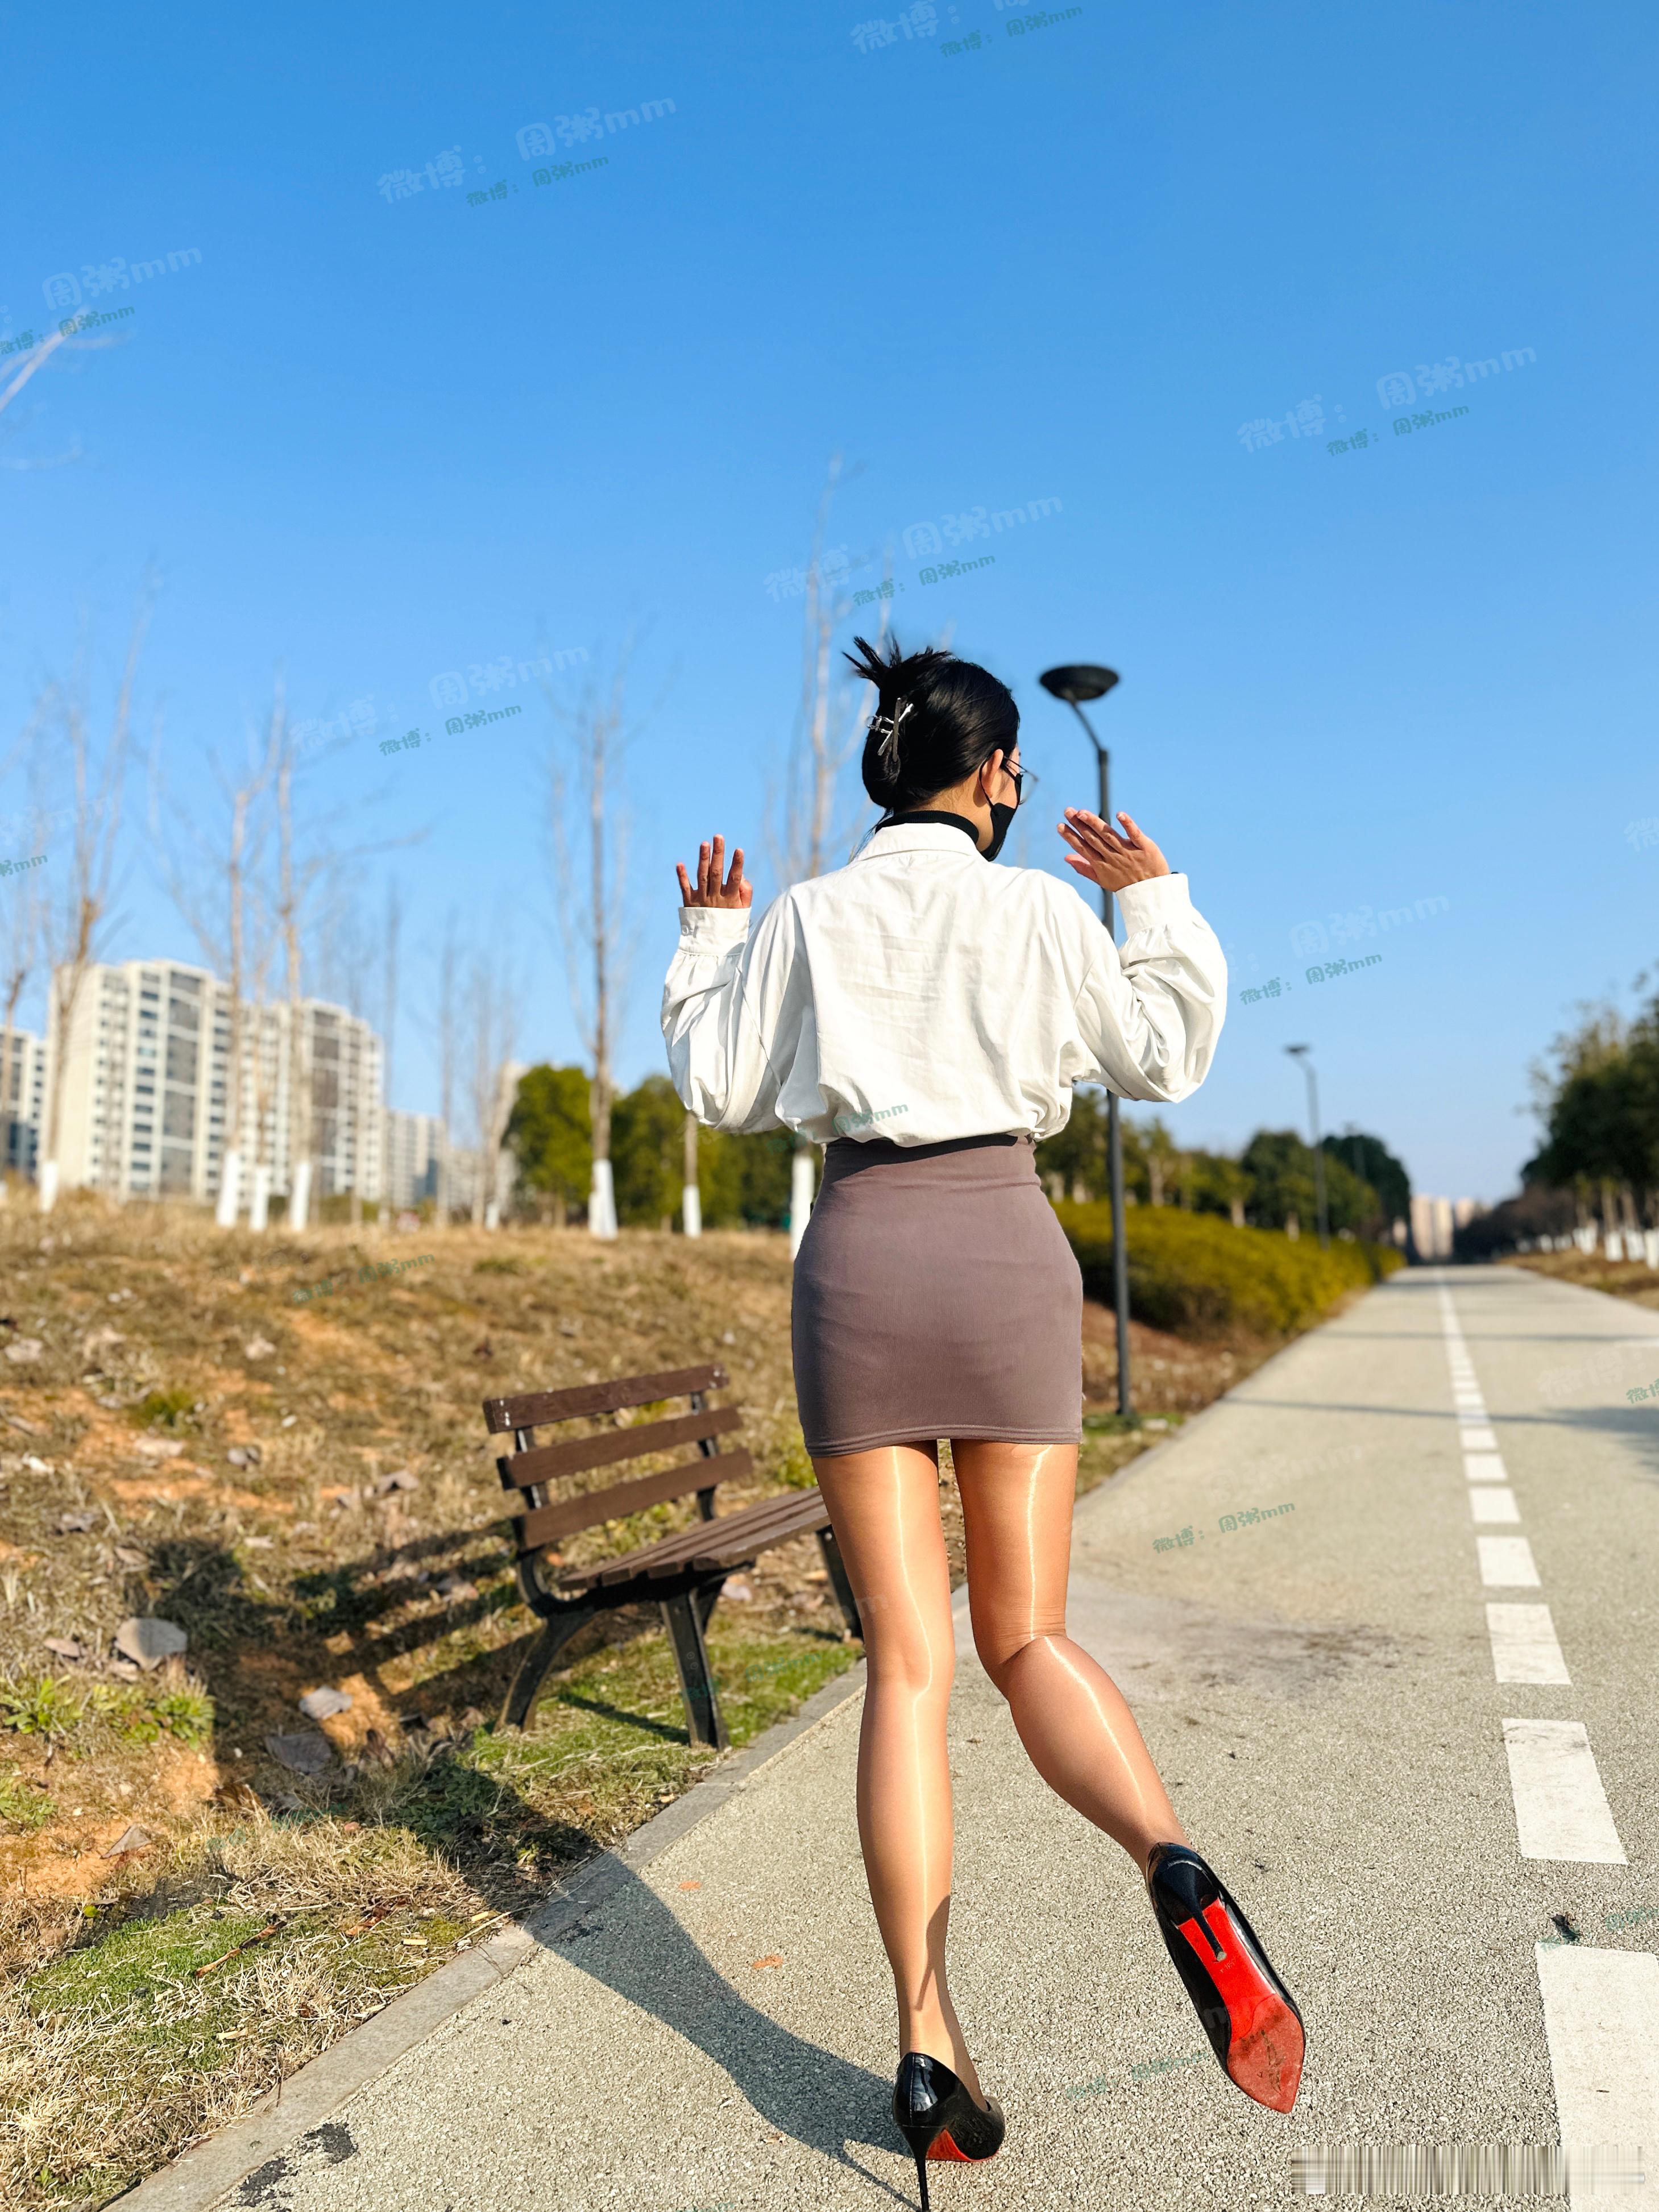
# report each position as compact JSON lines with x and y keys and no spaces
{"x":369,"y":440}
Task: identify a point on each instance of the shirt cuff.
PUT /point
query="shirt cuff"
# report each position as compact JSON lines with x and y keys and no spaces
{"x":1159,"y":899}
{"x":713,"y":929}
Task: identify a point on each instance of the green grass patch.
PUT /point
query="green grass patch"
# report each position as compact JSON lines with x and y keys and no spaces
{"x":138,"y":1963}
{"x":81,"y":1718}
{"x":26,"y":1808}
{"x":162,"y":1409}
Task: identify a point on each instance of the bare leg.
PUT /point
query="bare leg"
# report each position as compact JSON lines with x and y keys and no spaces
{"x":1016,"y":1508}
{"x":884,"y":1506}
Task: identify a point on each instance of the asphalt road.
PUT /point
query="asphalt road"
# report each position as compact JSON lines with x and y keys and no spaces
{"x":1443,"y":1820}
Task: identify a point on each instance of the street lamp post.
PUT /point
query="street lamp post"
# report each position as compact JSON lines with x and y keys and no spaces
{"x":1302,"y":1052}
{"x":1073,"y":684}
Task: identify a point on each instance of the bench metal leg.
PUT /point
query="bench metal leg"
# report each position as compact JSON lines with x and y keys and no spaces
{"x":704,"y":1598}
{"x":839,"y":1583}
{"x":532,"y":1669}
{"x":703,"y":1719}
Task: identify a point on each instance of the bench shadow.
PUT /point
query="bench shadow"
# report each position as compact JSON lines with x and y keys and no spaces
{"x":628,"y":1940}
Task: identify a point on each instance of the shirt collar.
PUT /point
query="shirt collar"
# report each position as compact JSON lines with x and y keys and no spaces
{"x":936,"y":831}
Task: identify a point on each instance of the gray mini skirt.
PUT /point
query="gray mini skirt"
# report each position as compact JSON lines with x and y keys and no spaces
{"x":935,"y":1295}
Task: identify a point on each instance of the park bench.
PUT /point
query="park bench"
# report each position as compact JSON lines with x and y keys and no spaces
{"x":683,"y":1573}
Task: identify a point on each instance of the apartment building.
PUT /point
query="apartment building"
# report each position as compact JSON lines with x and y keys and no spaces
{"x":23,"y":1103}
{"x":414,"y":1150}
{"x":147,"y":1080}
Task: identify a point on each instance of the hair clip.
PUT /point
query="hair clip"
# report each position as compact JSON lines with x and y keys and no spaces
{"x":885,"y":727}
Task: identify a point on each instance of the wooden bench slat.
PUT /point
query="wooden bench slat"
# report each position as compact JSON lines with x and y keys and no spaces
{"x":532,"y":1408}
{"x":547,"y":1462}
{"x":544,"y":1523}
{"x":711,"y":1545}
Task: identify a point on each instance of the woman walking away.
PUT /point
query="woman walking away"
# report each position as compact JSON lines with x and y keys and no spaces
{"x":926,"y":1017}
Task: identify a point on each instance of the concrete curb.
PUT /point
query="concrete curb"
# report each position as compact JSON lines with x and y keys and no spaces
{"x":253,"y":2154}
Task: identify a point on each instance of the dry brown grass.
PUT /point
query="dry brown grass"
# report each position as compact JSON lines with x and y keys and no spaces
{"x":1591,"y":1271}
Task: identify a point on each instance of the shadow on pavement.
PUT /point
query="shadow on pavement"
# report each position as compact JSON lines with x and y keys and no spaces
{"x":633,"y":1943}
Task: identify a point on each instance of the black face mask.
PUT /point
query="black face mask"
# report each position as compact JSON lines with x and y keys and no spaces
{"x":1002,"y":821}
{"x":1002,"y":817}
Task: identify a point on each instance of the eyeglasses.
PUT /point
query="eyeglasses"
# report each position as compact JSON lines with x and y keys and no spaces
{"x":1021,"y":777}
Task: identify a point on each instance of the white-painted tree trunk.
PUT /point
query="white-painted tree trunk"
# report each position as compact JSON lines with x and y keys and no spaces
{"x":691,"y":1210}
{"x":48,"y":1185}
{"x":258,"y":1207}
{"x":230,"y":1191}
{"x":802,"y":1177}
{"x":602,"y":1202}
{"x":299,"y":1201}
{"x":492,"y":1215}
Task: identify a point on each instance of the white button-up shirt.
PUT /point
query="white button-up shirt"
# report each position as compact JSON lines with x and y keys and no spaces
{"x":919,"y":993}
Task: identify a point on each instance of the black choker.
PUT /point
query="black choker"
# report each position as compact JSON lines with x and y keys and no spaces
{"x":934,"y":814}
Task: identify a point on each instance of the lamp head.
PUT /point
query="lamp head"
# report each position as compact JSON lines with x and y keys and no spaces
{"x":1078,"y":682}
{"x":1298,"y":1049}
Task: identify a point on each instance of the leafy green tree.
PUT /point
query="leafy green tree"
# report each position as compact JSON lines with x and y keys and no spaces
{"x":647,"y":1141}
{"x":1368,"y":1160}
{"x":550,"y":1136}
{"x":1281,"y":1169}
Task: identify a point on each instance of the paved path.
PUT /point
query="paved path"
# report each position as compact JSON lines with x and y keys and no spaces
{"x":1406,"y":1772}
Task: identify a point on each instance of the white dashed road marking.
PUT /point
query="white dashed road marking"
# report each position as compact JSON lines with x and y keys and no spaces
{"x":1561,"y":1810}
{"x":1524,"y":1645}
{"x":1491,"y":1504}
{"x":1484,"y":1466}
{"x":1506,"y":1563}
{"x":1601,"y":2021}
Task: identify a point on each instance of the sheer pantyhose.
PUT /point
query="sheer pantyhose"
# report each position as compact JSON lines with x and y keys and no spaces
{"x":1017,"y":1504}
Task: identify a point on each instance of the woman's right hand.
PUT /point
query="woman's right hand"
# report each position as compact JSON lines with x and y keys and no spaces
{"x":1112,"y":859}
{"x":709,"y":890}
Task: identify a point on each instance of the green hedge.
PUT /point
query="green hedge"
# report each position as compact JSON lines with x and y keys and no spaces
{"x":1195,"y":1275}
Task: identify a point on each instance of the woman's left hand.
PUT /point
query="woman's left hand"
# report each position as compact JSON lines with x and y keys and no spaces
{"x":1113,"y":858}
{"x":709,"y":890}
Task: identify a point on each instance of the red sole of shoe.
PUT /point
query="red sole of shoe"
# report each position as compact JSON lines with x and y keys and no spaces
{"x":942,"y":2147}
{"x":1264,"y":2056}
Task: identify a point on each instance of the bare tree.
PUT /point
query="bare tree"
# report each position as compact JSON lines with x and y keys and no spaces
{"x":75,"y":920}
{"x":592,"y":914}
{"x":218,"y":898}
{"x":446,"y":1054}
{"x":828,"y":728}
{"x":20,"y":936}
{"x":492,"y":1023}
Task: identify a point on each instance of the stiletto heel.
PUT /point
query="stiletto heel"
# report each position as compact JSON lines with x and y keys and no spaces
{"x":939,"y":2118}
{"x":1250,"y":2016}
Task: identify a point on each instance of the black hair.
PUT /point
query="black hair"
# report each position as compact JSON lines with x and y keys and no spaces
{"x":953,"y":715}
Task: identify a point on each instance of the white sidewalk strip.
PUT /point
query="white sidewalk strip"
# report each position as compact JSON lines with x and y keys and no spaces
{"x":1493,"y":1504}
{"x":1601,"y":2023}
{"x":1483,"y":1466}
{"x":1561,"y":1810}
{"x":1506,"y":1563}
{"x":1470,"y":1401}
{"x":1524,"y":1645}
{"x":1475,"y":1439}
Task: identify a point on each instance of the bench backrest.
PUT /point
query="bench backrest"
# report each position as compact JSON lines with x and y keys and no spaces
{"x":531,"y":1468}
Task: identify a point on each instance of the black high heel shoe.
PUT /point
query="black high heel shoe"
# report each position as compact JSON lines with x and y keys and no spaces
{"x":1250,"y":2016}
{"x":939,"y":2117}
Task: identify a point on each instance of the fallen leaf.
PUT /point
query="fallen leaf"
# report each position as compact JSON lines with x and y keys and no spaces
{"x":99,"y":1339}
{"x":128,"y":1841}
{"x":76,"y":1524}
{"x":454,"y":1588}
{"x":66,"y":1647}
{"x":148,"y":1641}
{"x":323,"y":1704}
{"x":772,"y":1959}
{"x":400,"y":1480}
{"x":690,"y":1885}
{"x":128,"y":1558}
{"x":305,"y":1754}
{"x":26,"y":1350}
{"x":157,"y":1448}
{"x":258,"y":1348}
{"x":27,"y":1428}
